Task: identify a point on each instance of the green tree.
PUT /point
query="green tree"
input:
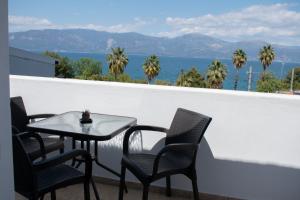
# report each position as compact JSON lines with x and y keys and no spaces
{"x":269,"y":83}
{"x":63,"y":66}
{"x":296,"y":83}
{"x":191,"y":78}
{"x":266,"y":56}
{"x":216,"y":74}
{"x":151,"y":67}
{"x":183,"y":80}
{"x":239,"y":58}
{"x":117,"y":61}
{"x":88,"y":69}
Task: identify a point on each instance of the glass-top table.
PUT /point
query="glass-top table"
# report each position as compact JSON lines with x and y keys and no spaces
{"x":104,"y":127}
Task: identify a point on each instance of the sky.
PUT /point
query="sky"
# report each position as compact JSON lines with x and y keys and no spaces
{"x":273,"y":21}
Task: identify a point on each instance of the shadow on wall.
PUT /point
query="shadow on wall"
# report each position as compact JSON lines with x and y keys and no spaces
{"x":241,"y":179}
{"x":227,"y":178}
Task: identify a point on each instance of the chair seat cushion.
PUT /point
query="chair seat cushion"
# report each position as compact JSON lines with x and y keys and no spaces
{"x":58,"y":176}
{"x":32,"y":146}
{"x":142,"y":164}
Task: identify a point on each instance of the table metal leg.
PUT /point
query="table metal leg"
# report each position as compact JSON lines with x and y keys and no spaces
{"x":104,"y":166}
{"x":78,"y":164}
{"x":88,"y":146}
{"x":73,"y":147}
{"x":88,"y":149}
{"x":95,"y":189}
{"x":82,"y":144}
{"x":96,"y":159}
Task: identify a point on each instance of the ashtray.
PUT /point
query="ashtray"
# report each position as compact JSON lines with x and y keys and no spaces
{"x":86,"y":121}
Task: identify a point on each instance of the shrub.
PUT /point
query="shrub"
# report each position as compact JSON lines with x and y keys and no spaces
{"x":296,"y":84}
{"x":191,"y":78}
{"x":88,"y":69}
{"x":268,"y":83}
{"x":63,"y":69}
{"x":162,"y":82}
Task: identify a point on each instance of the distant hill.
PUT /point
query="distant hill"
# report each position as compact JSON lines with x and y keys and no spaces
{"x":190,"y":45}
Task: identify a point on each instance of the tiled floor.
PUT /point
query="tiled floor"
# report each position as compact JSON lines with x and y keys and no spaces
{"x":107,"y":192}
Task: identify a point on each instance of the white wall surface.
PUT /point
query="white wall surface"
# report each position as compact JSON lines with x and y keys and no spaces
{"x":6,"y":167}
{"x":250,"y":151}
{"x":30,"y":64}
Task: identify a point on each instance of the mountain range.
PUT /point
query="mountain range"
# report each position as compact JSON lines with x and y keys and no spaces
{"x":190,"y":45}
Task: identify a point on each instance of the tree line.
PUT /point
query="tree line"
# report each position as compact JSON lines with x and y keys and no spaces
{"x":91,"y":69}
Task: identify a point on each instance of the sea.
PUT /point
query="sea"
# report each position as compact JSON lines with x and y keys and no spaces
{"x":172,"y":66}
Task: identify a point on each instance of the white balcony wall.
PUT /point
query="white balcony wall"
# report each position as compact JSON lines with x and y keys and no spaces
{"x":6,"y":165}
{"x":250,"y":151}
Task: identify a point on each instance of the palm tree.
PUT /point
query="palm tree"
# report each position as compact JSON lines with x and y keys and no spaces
{"x":266,"y":56}
{"x":216,"y":74}
{"x":117,"y":61}
{"x":239,"y":59}
{"x":151,"y":67}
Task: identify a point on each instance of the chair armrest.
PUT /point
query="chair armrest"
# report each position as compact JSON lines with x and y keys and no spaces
{"x":139,"y":128}
{"x":39,"y":116}
{"x":36,"y":136}
{"x":61,"y":158}
{"x":173,"y":147}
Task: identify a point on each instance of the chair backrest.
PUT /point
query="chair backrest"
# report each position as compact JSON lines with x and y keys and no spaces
{"x":187,"y":127}
{"x":19,"y":118}
{"x":23,"y":170}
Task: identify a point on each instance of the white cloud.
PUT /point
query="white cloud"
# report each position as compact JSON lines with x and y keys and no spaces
{"x":273,"y":23}
{"x":118,"y":28}
{"x":17,"y":23}
{"x":23,"y":23}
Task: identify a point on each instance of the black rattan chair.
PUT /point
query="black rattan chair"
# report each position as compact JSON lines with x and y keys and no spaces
{"x":35,"y":179}
{"x":20,"y":119}
{"x":177,"y":157}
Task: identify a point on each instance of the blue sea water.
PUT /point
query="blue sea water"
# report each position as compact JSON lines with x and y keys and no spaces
{"x":171,"y":67}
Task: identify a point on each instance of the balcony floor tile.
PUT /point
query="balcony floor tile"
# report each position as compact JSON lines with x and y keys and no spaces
{"x":107,"y":192}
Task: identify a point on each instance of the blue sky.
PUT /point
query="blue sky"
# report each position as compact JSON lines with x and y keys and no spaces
{"x":234,"y":20}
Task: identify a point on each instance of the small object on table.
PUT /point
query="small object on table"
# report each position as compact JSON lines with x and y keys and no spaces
{"x":86,"y":117}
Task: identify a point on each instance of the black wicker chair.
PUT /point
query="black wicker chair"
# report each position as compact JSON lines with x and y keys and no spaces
{"x":177,"y":157}
{"x":20,"y":119}
{"x":34,"y":179}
